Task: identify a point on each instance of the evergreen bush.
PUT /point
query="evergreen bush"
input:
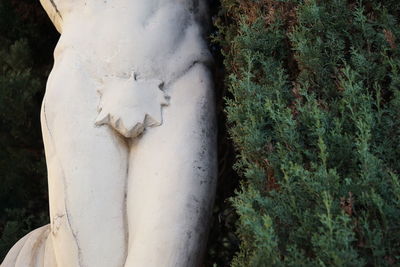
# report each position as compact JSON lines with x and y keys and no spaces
{"x":315,"y":119}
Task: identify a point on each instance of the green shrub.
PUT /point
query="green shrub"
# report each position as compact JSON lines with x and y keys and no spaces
{"x":315,"y":118}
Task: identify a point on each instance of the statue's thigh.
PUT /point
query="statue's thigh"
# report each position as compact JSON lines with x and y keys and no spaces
{"x":87,"y":168}
{"x":172,"y":176}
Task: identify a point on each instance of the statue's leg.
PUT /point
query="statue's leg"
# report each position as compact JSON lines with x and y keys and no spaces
{"x":172,"y":178}
{"x":87,"y":167}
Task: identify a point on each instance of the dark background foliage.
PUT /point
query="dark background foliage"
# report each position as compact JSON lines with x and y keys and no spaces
{"x":26,"y":39}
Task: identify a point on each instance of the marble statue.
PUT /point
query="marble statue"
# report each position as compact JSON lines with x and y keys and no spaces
{"x":129,"y":129}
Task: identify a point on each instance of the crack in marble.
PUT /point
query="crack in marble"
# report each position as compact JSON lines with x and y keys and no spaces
{"x":56,"y":8}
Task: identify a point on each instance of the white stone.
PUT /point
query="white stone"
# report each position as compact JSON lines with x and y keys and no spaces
{"x":129,"y":129}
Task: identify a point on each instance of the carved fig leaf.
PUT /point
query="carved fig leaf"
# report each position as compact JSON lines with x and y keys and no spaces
{"x":130,"y":105}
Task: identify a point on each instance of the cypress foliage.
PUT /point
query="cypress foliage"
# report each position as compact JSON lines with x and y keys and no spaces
{"x":26,"y":42}
{"x":315,"y":118}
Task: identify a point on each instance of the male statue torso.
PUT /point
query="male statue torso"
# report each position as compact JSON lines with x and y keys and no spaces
{"x":130,"y":137}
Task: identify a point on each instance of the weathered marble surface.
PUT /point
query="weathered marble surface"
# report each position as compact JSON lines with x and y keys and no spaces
{"x":129,"y":129}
